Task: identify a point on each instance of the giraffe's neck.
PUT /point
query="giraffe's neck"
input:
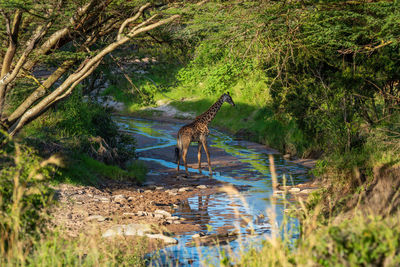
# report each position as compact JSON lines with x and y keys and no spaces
{"x":209,"y":115}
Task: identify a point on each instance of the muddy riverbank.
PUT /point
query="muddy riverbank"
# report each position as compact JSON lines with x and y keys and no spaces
{"x":196,"y":208}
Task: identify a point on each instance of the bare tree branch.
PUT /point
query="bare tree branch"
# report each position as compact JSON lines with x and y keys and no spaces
{"x":70,"y":83}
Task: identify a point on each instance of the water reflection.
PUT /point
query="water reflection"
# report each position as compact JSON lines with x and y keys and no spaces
{"x":216,"y":212}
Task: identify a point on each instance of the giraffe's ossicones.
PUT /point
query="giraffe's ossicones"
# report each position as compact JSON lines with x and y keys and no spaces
{"x":197,"y":131}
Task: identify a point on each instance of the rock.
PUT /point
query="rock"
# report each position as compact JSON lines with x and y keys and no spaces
{"x":102,"y":199}
{"x":128,"y":214}
{"x":177,"y":222}
{"x":201,"y":186}
{"x":172,"y":193}
{"x":166,"y":239}
{"x":158,"y":216}
{"x":164,"y":213}
{"x":131,"y":199}
{"x":137,"y":229}
{"x":147,"y":191}
{"x":119,"y":198}
{"x":286,"y":156}
{"x":184,"y":189}
{"x":132,"y":229}
{"x":294,"y":190}
{"x":196,"y":236}
{"x":114,"y":231}
{"x":276,"y":192}
{"x":159,"y":187}
{"x":79,"y":202}
{"x":98,"y":218}
{"x":141,"y":213}
{"x":172,"y":218}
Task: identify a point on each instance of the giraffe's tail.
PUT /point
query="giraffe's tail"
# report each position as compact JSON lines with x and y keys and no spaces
{"x":178,"y":149}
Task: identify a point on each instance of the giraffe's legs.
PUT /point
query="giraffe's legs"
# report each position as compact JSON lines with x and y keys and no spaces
{"x":179,"y":160}
{"x":186,"y":145}
{"x":204,"y":142}
{"x":199,"y":155}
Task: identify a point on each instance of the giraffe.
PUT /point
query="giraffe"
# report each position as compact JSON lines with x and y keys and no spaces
{"x":197,"y":131}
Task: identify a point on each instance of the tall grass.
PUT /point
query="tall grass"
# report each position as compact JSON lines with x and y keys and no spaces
{"x":25,"y":239}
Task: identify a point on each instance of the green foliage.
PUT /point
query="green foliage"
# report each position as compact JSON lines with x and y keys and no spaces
{"x":82,"y":169}
{"x":74,"y":123}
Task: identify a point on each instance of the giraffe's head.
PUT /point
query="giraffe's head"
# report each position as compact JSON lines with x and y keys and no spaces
{"x":227,"y":98}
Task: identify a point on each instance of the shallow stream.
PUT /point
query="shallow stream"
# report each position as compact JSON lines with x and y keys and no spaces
{"x":240,"y":163}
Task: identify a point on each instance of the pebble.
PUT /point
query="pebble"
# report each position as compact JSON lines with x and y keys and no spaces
{"x":79,"y":202}
{"x":201,"y":186}
{"x":158,"y":216}
{"x":148,"y":191}
{"x":163,"y":213}
{"x":128,"y":214}
{"x":166,"y":239}
{"x":173,"y":218}
{"x":184,"y":189}
{"x":119,"y":198}
{"x":279,"y":192}
{"x":141,"y":213}
{"x":159,"y":188}
{"x":98,"y":218}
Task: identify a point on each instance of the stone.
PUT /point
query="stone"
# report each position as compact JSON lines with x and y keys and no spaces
{"x":132,"y":229}
{"x":141,"y":213}
{"x":158,"y":216}
{"x":137,"y":229}
{"x":128,"y":214}
{"x":177,"y":222}
{"x":147,"y":191}
{"x":184,"y":189}
{"x":119,"y":199}
{"x":98,"y":218}
{"x":172,"y":218}
{"x":131,"y":199}
{"x":279,"y":192}
{"x":294,"y":190}
{"x":79,"y":202}
{"x":159,"y":188}
{"x":166,"y":239}
{"x":286,"y":156}
{"x":196,"y":236}
{"x":116,"y":230}
{"x":172,"y":193}
{"x":201,"y":186}
{"x":164,"y":213}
